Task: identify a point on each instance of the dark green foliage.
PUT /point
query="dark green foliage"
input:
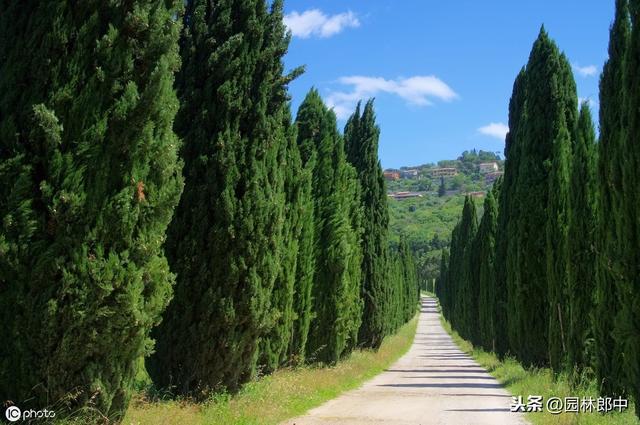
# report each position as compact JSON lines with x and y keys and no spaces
{"x":338,"y":219}
{"x":305,"y":265}
{"x":275,"y":345}
{"x":628,"y":321}
{"x":460,"y":281}
{"x":557,"y":231}
{"x":550,"y":99}
{"x":611,"y":156}
{"x":485,"y":258}
{"x":227,"y":240}
{"x":361,"y":144}
{"x":442,"y":190}
{"x":581,"y":267}
{"x":507,"y":252}
{"x":90,"y":179}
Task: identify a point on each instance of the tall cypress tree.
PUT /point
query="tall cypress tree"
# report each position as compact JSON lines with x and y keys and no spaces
{"x":581,"y":267}
{"x":89,"y":180}
{"x":275,"y":345}
{"x":305,"y":264}
{"x":628,"y":321}
{"x":557,"y":232}
{"x":507,"y":272}
{"x":462,"y":302}
{"x":609,"y":233}
{"x":361,"y":144}
{"x":226,"y":240}
{"x":486,"y":259}
{"x":549,"y":100}
{"x":337,"y":307}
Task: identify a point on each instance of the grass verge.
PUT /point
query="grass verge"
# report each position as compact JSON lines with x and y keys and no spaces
{"x":519,"y":380}
{"x":285,"y":394}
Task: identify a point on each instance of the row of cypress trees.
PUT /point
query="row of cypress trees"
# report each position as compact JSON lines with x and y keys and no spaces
{"x":551,"y":274}
{"x":158,"y":201}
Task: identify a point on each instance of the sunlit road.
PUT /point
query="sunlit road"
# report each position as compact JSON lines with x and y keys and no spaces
{"x":434,"y":383}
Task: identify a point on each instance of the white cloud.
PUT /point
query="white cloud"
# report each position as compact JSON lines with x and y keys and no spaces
{"x":416,"y":90}
{"x":495,"y":129}
{"x":592,"y":103}
{"x":315,"y":23}
{"x":586,"y":71}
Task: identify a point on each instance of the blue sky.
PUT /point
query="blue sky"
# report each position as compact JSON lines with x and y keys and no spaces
{"x":441,"y":71}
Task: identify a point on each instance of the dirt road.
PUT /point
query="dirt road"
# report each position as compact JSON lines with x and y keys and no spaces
{"x":434,"y":383}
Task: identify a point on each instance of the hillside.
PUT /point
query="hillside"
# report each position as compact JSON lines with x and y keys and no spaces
{"x":426,"y":214}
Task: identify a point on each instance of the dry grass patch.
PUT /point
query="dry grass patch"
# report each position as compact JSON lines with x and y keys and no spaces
{"x":285,"y":394}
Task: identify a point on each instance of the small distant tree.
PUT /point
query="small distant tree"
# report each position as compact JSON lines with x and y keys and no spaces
{"x":442,"y":190}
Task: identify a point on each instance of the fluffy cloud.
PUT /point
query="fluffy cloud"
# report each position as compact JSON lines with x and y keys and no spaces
{"x":592,"y":103}
{"x":315,"y":23}
{"x":417,"y":90}
{"x":495,"y":129}
{"x":586,"y":71}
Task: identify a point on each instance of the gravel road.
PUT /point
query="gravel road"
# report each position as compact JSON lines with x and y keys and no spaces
{"x":434,"y":383}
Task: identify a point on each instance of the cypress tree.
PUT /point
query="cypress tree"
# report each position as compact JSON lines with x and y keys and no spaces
{"x":581,"y":267}
{"x":557,"y":232}
{"x":628,"y":321}
{"x":408,"y":282}
{"x":90,"y":178}
{"x":550,"y":98}
{"x":450,"y":288}
{"x":507,"y":272}
{"x":487,"y":296}
{"x":463,"y":304}
{"x":275,"y":345}
{"x":442,"y":281}
{"x":609,"y":233}
{"x":361,"y":144}
{"x":337,"y":307}
{"x":226,"y":240}
{"x":442,"y":189}
{"x":305,"y":265}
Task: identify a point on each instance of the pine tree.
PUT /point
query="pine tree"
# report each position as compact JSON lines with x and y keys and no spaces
{"x":89,"y":180}
{"x":609,"y":360}
{"x":581,"y":267}
{"x":485,"y":252}
{"x":361,"y":145}
{"x":550,"y":98}
{"x":337,"y":307}
{"x":226,"y":240}
{"x":507,"y":273}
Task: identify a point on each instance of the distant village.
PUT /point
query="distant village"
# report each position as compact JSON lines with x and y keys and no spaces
{"x":471,"y":176}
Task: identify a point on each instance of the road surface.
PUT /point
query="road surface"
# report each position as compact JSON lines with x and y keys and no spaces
{"x":434,"y":383}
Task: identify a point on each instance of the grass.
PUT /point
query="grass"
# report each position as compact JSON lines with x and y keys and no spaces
{"x":285,"y":394}
{"x":541,"y":381}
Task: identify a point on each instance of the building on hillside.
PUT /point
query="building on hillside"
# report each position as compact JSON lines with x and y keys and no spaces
{"x":391,"y":175}
{"x":444,"y":172}
{"x":488,"y":167}
{"x":491,"y":177}
{"x":409,"y":174}
{"x":404,"y":195}
{"x":476,"y":194}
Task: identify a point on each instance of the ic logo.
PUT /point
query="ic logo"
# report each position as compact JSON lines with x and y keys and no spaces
{"x":13,"y":413}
